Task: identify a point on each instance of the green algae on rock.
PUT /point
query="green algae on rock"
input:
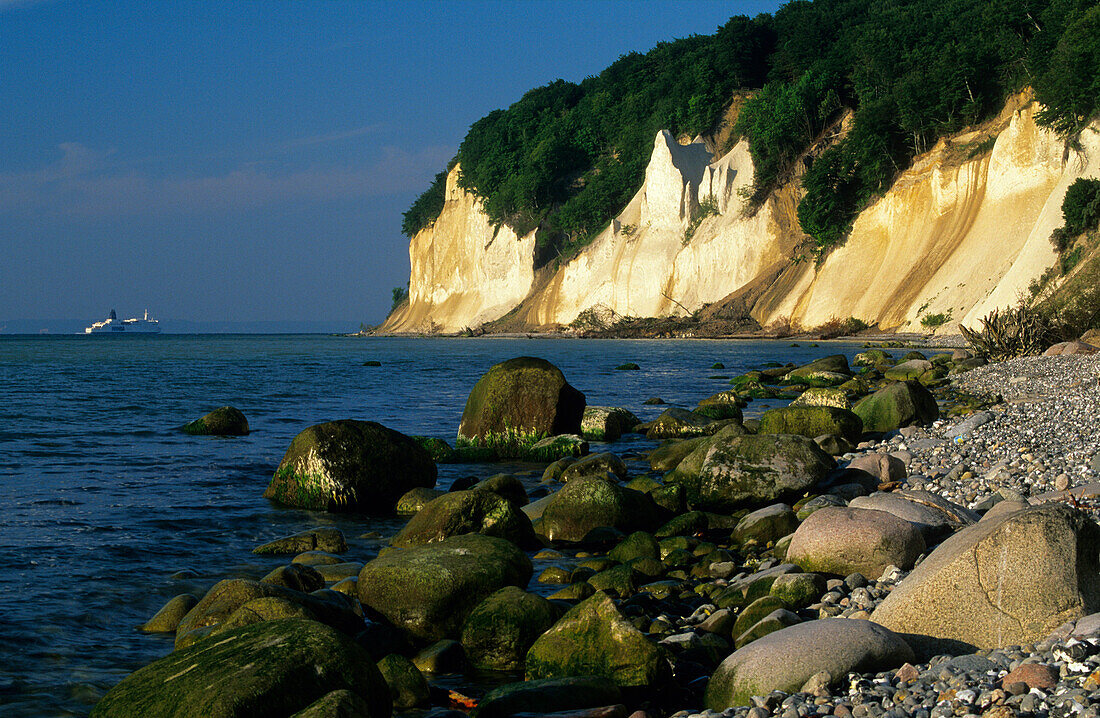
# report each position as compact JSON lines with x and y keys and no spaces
{"x":591,"y":502}
{"x":463,"y":512}
{"x":350,"y":465}
{"x":897,"y":405}
{"x":812,"y":421}
{"x":223,"y":421}
{"x":501,"y":629}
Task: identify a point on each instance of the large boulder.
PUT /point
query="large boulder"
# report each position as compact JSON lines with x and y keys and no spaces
{"x":786,"y":659}
{"x":274,"y":668}
{"x":594,"y":639}
{"x":594,"y":465}
{"x":678,"y":423}
{"x":591,"y":502}
{"x":606,"y":423}
{"x":1010,"y":580}
{"x":812,"y":421}
{"x":350,"y":465}
{"x":500,"y":630}
{"x":520,"y":401}
{"x":723,"y":405}
{"x":835,"y":364}
{"x":896,"y":405}
{"x":911,"y":369}
{"x":323,"y":538}
{"x":823,"y":396}
{"x":733,"y":470}
{"x":463,"y":512}
{"x":430,"y":590}
{"x":934,"y":515}
{"x":846,"y":540}
{"x":223,"y":421}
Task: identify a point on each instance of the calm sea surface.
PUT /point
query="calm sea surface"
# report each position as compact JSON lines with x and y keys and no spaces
{"x":109,"y":510}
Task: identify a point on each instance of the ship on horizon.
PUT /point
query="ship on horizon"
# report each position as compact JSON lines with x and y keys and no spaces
{"x":112,"y":325}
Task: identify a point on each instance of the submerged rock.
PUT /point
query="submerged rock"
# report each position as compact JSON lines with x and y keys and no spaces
{"x":350,"y":465}
{"x":326,"y":539}
{"x":223,"y":421}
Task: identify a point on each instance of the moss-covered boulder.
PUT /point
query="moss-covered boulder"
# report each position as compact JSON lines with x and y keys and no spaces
{"x":464,"y":512}
{"x":550,"y":448}
{"x":337,"y":704}
{"x":823,"y":396}
{"x":501,"y":629}
{"x":733,"y":471}
{"x":594,"y":639}
{"x":507,"y":487}
{"x":723,"y":405}
{"x":592,"y":502}
{"x":766,"y":525}
{"x":667,"y":456}
{"x":223,"y":421}
{"x":812,"y":421}
{"x":637,"y":545}
{"x":911,"y":369}
{"x":274,"y":668}
{"x":549,"y":695}
{"x":518,"y":402}
{"x":871,"y":357}
{"x":607,"y":423}
{"x":900,"y":404}
{"x":679,"y":423}
{"x":168,"y":618}
{"x":440,"y":451}
{"x":324,"y":538}
{"x":415,"y":499}
{"x":297,"y":576}
{"x":350,"y":465}
{"x":407,"y":684}
{"x":600,"y":465}
{"x":430,"y":590}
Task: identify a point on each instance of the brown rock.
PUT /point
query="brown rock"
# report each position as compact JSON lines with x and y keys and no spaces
{"x":843,"y":540}
{"x":1035,"y":675}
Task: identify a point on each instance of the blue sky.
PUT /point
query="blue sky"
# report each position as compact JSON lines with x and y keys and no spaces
{"x":250,"y":161}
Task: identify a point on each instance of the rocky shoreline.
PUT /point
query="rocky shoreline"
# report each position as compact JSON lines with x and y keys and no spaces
{"x":684,"y":592}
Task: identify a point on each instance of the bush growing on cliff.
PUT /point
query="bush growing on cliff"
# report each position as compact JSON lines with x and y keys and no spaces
{"x":426,"y":208}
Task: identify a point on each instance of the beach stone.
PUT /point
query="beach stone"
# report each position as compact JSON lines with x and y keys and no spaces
{"x":668,"y":456}
{"x":415,"y":499}
{"x":547,"y":696}
{"x":969,"y":424}
{"x":899,"y":404}
{"x":777,"y":620}
{"x":846,"y":540}
{"x":871,"y":357}
{"x":523,"y":399}
{"x":835,"y":364}
{"x":593,"y":639}
{"x":595,"y":465}
{"x":337,"y":704}
{"x":884,"y":468}
{"x":834,"y":444}
{"x":1006,"y":581}
{"x":934,"y":515}
{"x":1035,"y":675}
{"x":554,"y":470}
{"x":755,"y":611}
{"x":731,"y":471}
{"x":784,"y":660}
{"x":223,"y":421}
{"x":506,"y":486}
{"x":168,"y":618}
{"x":464,"y":512}
{"x":350,"y":465}
{"x":296,"y":576}
{"x":907,"y":370}
{"x":501,"y":629}
{"x":430,"y":590}
{"x":798,"y":590}
{"x":271,"y":668}
{"x":811,"y":421}
{"x":592,"y":502}
{"x":766,"y":525}
{"x":407,"y":684}
{"x":635,"y":546}
{"x":723,"y":405}
{"x":606,"y":423}
{"x":678,"y":423}
{"x":1068,"y":348}
{"x":330,"y":540}
{"x":823,"y":396}
{"x":573,"y":592}
{"x":443,"y":656}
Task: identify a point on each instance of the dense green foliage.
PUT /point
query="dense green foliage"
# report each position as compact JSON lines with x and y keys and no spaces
{"x":426,"y":208}
{"x":567,"y":157}
{"x":1081,"y":205}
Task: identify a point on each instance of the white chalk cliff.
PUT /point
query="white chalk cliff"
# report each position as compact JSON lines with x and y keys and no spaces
{"x":955,"y":234}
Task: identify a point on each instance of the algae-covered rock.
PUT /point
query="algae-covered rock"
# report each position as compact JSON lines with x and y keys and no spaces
{"x":812,"y":421}
{"x":667,"y":456}
{"x":415,"y":499}
{"x":518,"y":402}
{"x":871,"y":357}
{"x":296,"y":576}
{"x":350,"y":465}
{"x":593,"y":639}
{"x":501,"y":629}
{"x":733,"y":471}
{"x":168,"y":618}
{"x":592,"y":502}
{"x":324,"y":538}
{"x":637,"y":545}
{"x":677,"y":423}
{"x":507,"y":487}
{"x":430,"y":590}
{"x":723,"y":405}
{"x":463,"y":512}
{"x":440,"y":451}
{"x":911,"y":369}
{"x":272,"y":668}
{"x":606,"y":423}
{"x":552,"y":448}
{"x":595,"y":465}
{"x":407,"y":684}
{"x":548,"y":695}
{"x":337,"y":704}
{"x":223,"y":421}
{"x":823,"y":396}
{"x":766,"y":525}
{"x":897,"y":405}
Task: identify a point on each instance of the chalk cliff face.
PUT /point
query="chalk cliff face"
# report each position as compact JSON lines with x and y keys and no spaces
{"x":956,"y":234}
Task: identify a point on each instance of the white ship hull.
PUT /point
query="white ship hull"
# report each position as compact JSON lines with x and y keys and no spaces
{"x":112,"y":325}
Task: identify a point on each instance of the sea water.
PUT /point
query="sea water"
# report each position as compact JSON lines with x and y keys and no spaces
{"x":109,"y":510}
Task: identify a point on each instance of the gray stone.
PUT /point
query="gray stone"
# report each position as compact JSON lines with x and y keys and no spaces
{"x":932,"y":514}
{"x":845,"y":540}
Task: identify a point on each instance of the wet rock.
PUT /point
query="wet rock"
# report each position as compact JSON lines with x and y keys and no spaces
{"x":415,"y":499}
{"x":592,"y":502}
{"x":522,"y":400}
{"x":350,"y":465}
{"x":168,"y":618}
{"x":605,"y":423}
{"x":595,"y":465}
{"x":295,"y":576}
{"x":786,"y":659}
{"x":678,"y":423}
{"x":911,"y":369}
{"x":548,"y":695}
{"x":668,"y":456}
{"x":637,"y":545}
{"x":798,"y":590}
{"x":766,"y":525}
{"x":593,"y":639}
{"x":337,"y":704}
{"x":224,"y":421}
{"x":430,"y":590}
{"x":444,"y":656}
{"x":326,"y":539}
{"x":255,"y":670}
{"x":407,"y":685}
{"x":501,"y":629}
{"x":811,"y":421}
{"x":900,"y":404}
{"x":465,"y":512}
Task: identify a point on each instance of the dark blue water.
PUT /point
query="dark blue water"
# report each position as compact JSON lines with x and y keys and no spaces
{"x":109,"y":510}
